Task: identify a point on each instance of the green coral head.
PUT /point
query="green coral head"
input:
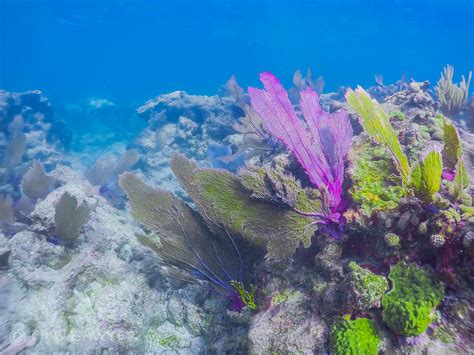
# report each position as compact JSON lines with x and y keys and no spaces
{"x":359,"y":336}
{"x":408,"y":308}
{"x":374,"y":186}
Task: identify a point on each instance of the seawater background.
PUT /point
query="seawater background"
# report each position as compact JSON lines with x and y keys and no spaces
{"x":129,"y":51}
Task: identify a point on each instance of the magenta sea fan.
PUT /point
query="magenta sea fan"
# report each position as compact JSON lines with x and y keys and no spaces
{"x":320,"y":146}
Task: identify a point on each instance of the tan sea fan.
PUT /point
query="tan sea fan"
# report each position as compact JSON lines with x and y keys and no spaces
{"x":452,"y":96}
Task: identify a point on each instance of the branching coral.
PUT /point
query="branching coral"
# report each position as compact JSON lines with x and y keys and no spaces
{"x":452,"y":96}
{"x":357,"y":336}
{"x":409,"y":307}
{"x":320,"y":148}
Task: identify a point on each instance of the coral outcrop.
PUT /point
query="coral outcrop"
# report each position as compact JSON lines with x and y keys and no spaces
{"x":241,"y":223}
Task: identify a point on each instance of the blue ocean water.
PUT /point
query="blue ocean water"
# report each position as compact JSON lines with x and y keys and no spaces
{"x":128,"y":51}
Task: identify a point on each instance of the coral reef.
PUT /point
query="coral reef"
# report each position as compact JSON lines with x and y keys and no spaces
{"x":248,"y":223}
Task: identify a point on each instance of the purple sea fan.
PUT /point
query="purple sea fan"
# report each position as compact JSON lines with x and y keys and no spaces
{"x":320,"y":147}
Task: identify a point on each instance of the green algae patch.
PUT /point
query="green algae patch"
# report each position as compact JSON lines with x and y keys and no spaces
{"x":444,"y":334}
{"x":374,"y":185}
{"x":408,"y":308}
{"x":357,"y":336}
{"x":283,"y":296}
{"x":169,"y":341}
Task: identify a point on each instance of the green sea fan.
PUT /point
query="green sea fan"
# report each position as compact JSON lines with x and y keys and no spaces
{"x":183,"y":242}
{"x":377,"y":125}
{"x":425,"y":177}
{"x":226,"y":204}
{"x":461,"y":180}
{"x":452,"y":151}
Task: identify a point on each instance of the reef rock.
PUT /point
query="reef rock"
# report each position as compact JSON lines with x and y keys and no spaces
{"x":105,"y":292}
{"x":215,"y":115}
{"x":182,"y":123}
{"x":415,"y":102}
{"x":291,"y":326}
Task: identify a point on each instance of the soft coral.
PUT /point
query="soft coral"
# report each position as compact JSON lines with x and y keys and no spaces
{"x":320,"y":147}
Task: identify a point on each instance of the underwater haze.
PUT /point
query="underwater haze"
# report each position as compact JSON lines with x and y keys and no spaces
{"x":128,"y":51}
{"x":236,"y":177}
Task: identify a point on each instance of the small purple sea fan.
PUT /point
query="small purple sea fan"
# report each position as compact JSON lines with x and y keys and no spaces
{"x":320,"y":147}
